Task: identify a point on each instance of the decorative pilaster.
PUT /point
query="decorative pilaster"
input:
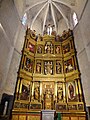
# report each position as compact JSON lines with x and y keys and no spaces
{"x":55,"y":91}
{"x":32,"y":90}
{"x":40,"y":91}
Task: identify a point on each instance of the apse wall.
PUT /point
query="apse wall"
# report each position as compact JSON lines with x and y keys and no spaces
{"x":82,"y":41}
{"x":61,"y":26}
{"x":9,"y":87}
{"x":37,"y":26}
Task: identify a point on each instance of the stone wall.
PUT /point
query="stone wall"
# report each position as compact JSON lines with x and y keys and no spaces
{"x":82,"y":42}
{"x":10,"y":26}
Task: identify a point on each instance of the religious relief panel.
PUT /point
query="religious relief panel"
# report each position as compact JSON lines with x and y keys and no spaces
{"x":31,"y":47}
{"x":57,"y":49}
{"x":81,"y":106}
{"x":24,"y":90}
{"x":48,"y":67}
{"x":72,"y":106}
{"x":28,"y":64}
{"x":49,"y":47}
{"x":16,"y":105}
{"x":69,"y":65}
{"x":61,"y":107}
{"x":66,"y":48}
{"x":39,"y":49}
{"x":71,"y":91}
{"x":35,"y":106}
{"x":58,"y":67}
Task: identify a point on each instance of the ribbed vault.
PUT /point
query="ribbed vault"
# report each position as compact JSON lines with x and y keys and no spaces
{"x":55,"y":12}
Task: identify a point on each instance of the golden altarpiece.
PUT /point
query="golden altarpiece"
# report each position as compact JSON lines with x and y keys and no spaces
{"x":48,"y":78}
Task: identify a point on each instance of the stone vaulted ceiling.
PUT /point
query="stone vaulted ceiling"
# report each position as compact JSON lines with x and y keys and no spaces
{"x":52,"y":12}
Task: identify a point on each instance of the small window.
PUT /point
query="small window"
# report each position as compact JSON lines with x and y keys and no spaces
{"x":24,"y":19}
{"x":75,"y":19}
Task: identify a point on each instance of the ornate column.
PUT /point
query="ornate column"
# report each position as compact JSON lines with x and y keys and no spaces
{"x":18,"y":89}
{"x":32,"y":90}
{"x":80,"y":91}
{"x":55,"y":91}
{"x":40,"y":91}
{"x":64,"y":90}
{"x":76,"y":90}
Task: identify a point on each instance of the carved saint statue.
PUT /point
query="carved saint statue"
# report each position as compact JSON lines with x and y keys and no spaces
{"x":60,"y":93}
{"x":58,"y":67}
{"x":71,"y":91}
{"x":58,"y":49}
{"x":48,"y":67}
{"x":36,"y":93}
{"x":39,"y":50}
{"x":48,"y":49}
{"x":48,"y":94}
{"x":38,"y":67}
